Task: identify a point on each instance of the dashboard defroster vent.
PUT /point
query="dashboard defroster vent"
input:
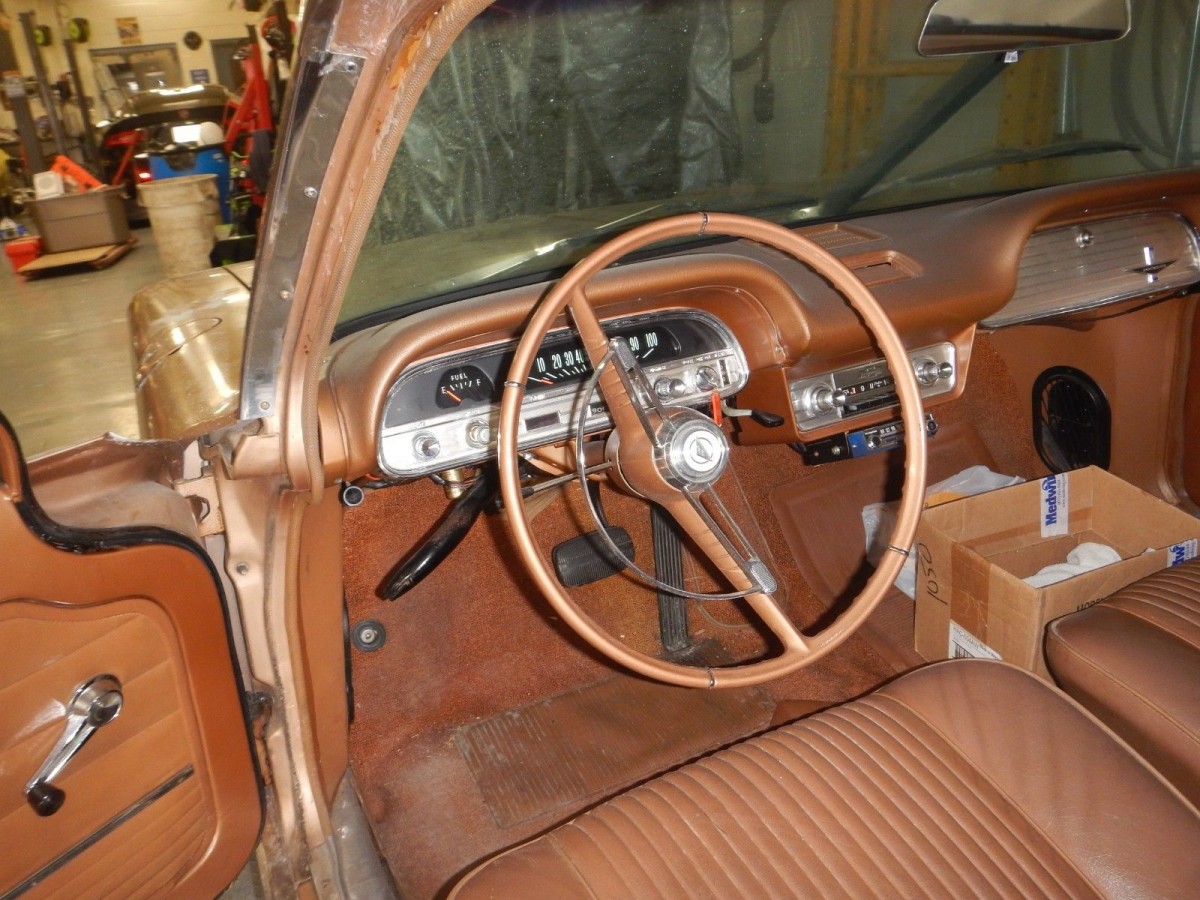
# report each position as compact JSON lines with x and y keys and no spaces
{"x":838,"y":235}
{"x":1071,"y":420}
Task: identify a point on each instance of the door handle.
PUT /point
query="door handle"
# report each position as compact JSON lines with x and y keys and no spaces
{"x":96,"y":703}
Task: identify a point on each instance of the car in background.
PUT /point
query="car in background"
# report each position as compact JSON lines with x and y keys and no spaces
{"x":378,"y":595}
{"x":147,"y":121}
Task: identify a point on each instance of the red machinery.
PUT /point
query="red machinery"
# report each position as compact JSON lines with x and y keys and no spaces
{"x":253,"y":111}
{"x":249,"y":125}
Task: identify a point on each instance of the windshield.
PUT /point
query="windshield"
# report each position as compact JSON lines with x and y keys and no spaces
{"x":553,"y":124}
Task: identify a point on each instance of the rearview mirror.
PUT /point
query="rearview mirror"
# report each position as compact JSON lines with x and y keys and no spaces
{"x":986,"y":26}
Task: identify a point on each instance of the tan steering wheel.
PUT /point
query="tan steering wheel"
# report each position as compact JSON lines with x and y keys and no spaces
{"x":673,"y":456}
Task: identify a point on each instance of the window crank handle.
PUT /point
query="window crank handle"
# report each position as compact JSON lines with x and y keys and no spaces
{"x":96,"y":703}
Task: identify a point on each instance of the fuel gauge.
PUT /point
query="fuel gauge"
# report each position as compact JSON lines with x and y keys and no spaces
{"x":464,"y":386}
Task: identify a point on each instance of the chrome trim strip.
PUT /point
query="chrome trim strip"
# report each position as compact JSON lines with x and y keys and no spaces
{"x":322,"y":85}
{"x":100,"y":833}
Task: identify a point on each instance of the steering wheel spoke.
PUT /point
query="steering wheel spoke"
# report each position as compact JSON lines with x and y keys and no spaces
{"x":641,"y":393}
{"x":627,"y":392}
{"x":729,"y":537}
{"x":725,"y":544}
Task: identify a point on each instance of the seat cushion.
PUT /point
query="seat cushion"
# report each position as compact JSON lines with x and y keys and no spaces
{"x":964,"y":778}
{"x":1134,"y":661}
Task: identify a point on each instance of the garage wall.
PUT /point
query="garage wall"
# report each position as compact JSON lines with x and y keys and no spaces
{"x":159,"y":21}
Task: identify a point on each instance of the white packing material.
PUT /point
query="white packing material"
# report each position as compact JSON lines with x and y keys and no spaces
{"x":1087,"y":556}
{"x":879,"y":518}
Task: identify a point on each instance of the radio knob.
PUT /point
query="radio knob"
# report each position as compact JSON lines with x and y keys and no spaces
{"x":707,"y":379}
{"x":426,"y":446}
{"x":479,"y":433}
{"x":929,"y":372}
{"x":822,"y":399}
{"x":670,"y":388}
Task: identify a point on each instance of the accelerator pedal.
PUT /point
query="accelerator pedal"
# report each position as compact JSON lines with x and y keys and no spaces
{"x":585,"y":559}
{"x":668,"y":568}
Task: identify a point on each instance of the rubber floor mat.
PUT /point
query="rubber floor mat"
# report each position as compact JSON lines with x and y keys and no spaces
{"x":598,"y":739}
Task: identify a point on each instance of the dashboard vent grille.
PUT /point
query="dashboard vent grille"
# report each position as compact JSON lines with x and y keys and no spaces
{"x":1071,"y":420}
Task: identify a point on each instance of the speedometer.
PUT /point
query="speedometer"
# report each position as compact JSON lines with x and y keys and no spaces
{"x":560,"y":365}
{"x":566,"y":362}
{"x":652,"y":343}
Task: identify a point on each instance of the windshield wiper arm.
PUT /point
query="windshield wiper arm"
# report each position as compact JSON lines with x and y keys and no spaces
{"x":555,"y":249}
{"x":520,"y":259}
{"x":596,"y":233}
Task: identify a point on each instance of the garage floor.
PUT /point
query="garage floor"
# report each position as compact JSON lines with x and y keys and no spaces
{"x":66,"y":369}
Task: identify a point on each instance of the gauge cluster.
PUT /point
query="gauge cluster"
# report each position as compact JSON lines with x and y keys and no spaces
{"x":443,"y":413}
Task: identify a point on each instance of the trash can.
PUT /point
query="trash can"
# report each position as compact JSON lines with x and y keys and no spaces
{"x":181,"y":161}
{"x":183,"y":213}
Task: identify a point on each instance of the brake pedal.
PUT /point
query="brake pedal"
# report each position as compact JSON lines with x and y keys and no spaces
{"x":587,"y":558}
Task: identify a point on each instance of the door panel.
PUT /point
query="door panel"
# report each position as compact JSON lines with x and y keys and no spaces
{"x":165,"y":798}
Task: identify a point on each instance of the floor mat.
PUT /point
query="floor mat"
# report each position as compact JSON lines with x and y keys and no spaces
{"x":596,"y":739}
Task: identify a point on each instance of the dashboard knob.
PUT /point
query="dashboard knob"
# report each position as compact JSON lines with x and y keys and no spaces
{"x":426,"y":446}
{"x":821,"y":398}
{"x":670,"y":388}
{"x":928,"y":372}
{"x":479,"y":433}
{"x":707,"y":379}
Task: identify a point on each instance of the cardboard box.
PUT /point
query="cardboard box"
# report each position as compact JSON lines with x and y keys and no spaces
{"x":972,"y":554}
{"x":78,"y":221}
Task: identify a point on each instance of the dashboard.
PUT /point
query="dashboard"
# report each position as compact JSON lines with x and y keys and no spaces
{"x":443,"y":413}
{"x":420,"y":395}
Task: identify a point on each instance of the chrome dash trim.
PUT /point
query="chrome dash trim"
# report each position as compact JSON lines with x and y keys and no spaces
{"x":1079,"y":267}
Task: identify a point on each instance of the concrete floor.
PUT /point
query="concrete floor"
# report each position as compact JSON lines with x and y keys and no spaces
{"x":66,"y":372}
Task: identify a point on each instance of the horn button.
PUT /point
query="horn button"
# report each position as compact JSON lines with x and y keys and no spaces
{"x":692,"y":450}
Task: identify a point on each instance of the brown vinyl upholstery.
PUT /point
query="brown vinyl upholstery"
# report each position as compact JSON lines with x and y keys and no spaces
{"x":965,"y":778}
{"x":1134,"y":661}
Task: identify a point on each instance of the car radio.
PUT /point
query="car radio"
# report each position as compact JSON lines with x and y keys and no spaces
{"x":857,"y":390}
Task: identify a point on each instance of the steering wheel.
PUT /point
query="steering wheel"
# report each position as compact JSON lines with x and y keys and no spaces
{"x":673,"y":456}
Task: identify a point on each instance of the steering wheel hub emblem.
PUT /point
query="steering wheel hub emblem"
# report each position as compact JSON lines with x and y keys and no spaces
{"x":693,"y":450}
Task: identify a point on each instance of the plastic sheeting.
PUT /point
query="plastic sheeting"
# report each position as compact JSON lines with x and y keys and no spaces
{"x":545,"y":105}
